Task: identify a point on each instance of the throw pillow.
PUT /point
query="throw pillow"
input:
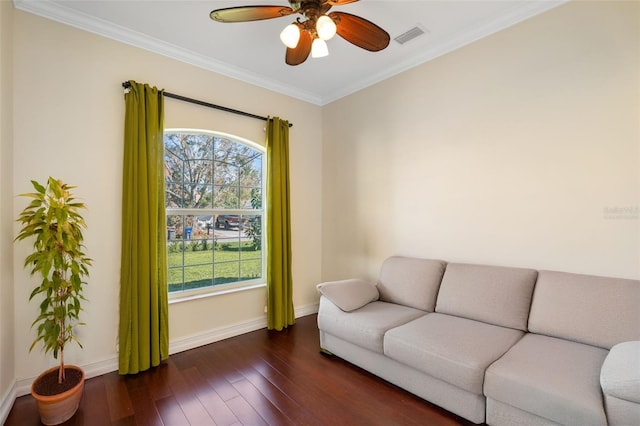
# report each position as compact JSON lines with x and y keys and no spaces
{"x":349,"y":295}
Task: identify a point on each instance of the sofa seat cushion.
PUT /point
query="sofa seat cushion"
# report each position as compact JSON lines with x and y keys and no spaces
{"x":366,"y":326}
{"x":455,"y":350}
{"x":551,"y":378}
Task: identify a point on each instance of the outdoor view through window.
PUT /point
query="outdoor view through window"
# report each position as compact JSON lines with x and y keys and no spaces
{"x":214,"y":199}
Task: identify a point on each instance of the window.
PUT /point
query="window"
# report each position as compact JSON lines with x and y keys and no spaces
{"x":214,"y":199}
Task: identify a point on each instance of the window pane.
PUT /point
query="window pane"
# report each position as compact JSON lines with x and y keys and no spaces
{"x":226,"y":272}
{"x":173,"y":161}
{"x":198,"y":171}
{"x":175,"y":250}
{"x":198,"y":276}
{"x":252,"y":232}
{"x":189,"y":146}
{"x":227,"y":245}
{"x":197,"y":195}
{"x":173,"y":166}
{"x":226,"y":197}
{"x":174,"y":196}
{"x":250,"y":269}
{"x":198,"y":252}
{"x":225,"y":173}
{"x":174,"y":227}
{"x":205,"y":226}
{"x":229,"y":151}
{"x":251,"y":198}
{"x":174,"y":279}
{"x":250,"y":175}
{"x":188,"y":230}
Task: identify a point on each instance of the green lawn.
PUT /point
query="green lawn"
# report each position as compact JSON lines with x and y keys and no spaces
{"x":230,"y":265}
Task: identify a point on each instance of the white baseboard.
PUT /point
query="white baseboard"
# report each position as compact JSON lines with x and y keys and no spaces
{"x":222,"y":333}
{"x":7,"y":402}
{"x":94,"y":369}
{"x":215,"y":335}
{"x":305,"y":310}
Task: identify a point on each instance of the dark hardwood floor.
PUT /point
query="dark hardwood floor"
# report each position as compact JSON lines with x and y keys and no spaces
{"x":259,"y":378}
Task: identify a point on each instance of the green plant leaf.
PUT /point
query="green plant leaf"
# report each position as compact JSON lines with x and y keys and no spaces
{"x":41,"y":189}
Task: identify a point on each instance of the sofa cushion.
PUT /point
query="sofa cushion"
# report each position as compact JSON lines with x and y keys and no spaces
{"x":603,"y":311}
{"x":366,"y":326}
{"x":492,"y":294}
{"x":551,"y":378}
{"x":452,"y":349}
{"x":349,"y":295}
{"x":411,"y":281}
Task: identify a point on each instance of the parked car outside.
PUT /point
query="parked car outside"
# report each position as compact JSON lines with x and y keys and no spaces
{"x":229,"y":221}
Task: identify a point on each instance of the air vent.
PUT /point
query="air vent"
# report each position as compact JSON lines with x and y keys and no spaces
{"x":409,"y":35}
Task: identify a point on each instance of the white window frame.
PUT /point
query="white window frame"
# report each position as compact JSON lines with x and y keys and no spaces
{"x":218,"y":289}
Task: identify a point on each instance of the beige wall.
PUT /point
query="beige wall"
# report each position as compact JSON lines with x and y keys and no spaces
{"x":515,"y":150}
{"x":69,"y":113}
{"x":7,"y":332}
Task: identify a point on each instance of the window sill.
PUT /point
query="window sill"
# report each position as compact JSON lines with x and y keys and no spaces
{"x":214,"y":293}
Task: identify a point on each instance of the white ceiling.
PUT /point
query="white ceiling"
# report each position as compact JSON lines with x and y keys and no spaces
{"x":252,"y":51}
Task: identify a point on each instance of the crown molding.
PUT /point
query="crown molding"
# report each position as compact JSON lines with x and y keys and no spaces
{"x":68,"y":16}
{"x":59,"y":13}
{"x":516,"y":15}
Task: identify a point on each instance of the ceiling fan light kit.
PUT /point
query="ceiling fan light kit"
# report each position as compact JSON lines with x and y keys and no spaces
{"x":303,"y":37}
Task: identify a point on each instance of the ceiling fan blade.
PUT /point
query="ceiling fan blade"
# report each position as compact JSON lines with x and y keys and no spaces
{"x":339,"y":2}
{"x":300,"y":53}
{"x":359,"y":31}
{"x":249,"y":13}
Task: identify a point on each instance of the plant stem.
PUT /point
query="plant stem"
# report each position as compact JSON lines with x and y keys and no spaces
{"x":61,"y":370}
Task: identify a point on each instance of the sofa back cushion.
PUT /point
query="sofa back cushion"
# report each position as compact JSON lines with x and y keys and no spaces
{"x":598,"y":311}
{"x":491,"y":294}
{"x":411,"y":281}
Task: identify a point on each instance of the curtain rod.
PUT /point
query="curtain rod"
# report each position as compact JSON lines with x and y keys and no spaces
{"x":126,"y":85}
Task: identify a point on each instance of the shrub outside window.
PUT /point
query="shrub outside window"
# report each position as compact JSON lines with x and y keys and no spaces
{"x":214,"y":202}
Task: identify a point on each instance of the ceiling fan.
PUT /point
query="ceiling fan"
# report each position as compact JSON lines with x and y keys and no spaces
{"x":309,"y":35}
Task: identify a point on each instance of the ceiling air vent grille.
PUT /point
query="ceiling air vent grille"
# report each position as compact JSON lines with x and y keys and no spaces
{"x":409,"y":35}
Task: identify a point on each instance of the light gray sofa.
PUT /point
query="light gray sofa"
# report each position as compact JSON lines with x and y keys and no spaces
{"x":505,"y":346}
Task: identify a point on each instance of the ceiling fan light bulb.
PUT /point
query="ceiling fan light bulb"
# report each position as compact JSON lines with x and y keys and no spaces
{"x":319,"y":48}
{"x":290,"y":36}
{"x":325,"y":27}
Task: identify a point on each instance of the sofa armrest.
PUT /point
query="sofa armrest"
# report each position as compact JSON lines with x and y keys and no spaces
{"x":620,"y":374}
{"x":350,"y":294}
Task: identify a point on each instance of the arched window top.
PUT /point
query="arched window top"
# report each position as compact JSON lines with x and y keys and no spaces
{"x":217,"y":135}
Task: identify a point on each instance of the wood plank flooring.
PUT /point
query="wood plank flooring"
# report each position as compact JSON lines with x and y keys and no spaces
{"x":259,"y":378}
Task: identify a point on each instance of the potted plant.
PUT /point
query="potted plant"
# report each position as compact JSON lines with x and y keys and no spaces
{"x":53,"y":220}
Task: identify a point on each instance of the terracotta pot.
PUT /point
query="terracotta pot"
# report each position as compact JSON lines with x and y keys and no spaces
{"x":56,"y":409}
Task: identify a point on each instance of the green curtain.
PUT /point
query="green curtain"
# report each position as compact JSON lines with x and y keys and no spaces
{"x":144,"y":325}
{"x":280,"y":312}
